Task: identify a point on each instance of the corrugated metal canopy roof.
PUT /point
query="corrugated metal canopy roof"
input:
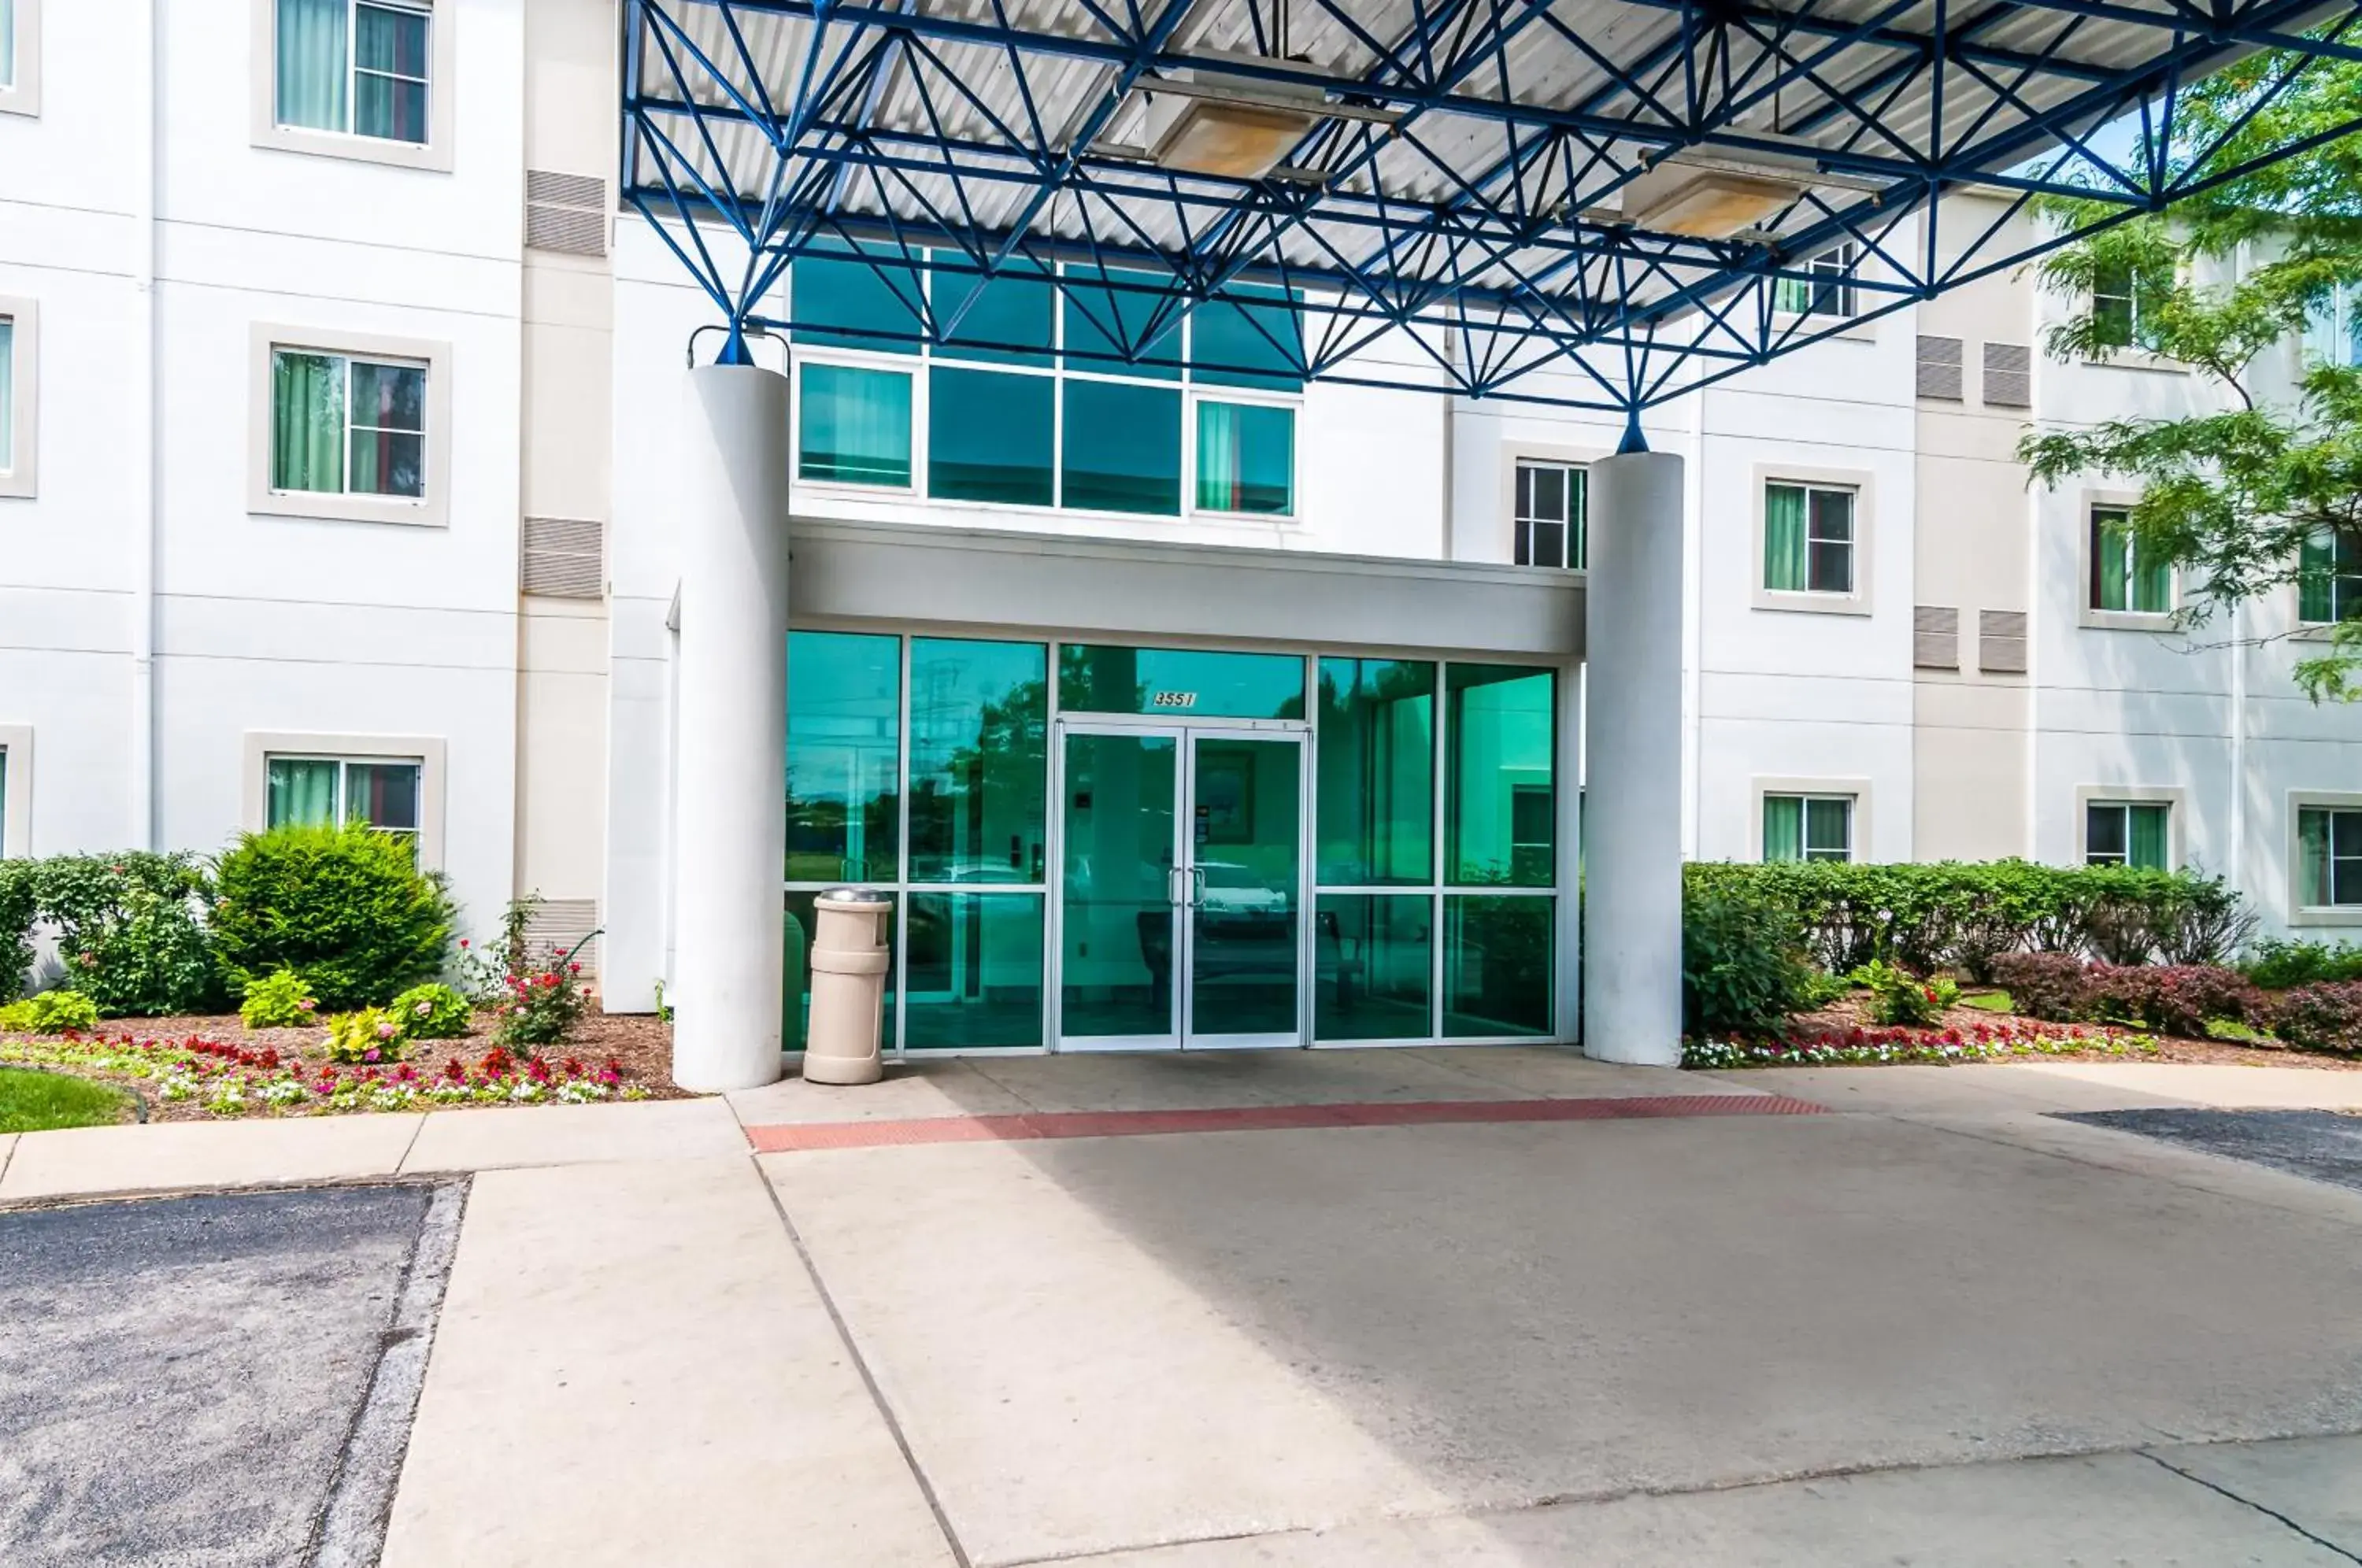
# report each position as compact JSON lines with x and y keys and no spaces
{"x":1466,"y":189}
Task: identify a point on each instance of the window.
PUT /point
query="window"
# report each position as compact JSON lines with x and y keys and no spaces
{"x":2333,"y":330}
{"x":1808,"y":539}
{"x":1089,"y":395}
{"x":2329,"y":580}
{"x":2129,"y":833}
{"x":317,"y":791}
{"x":348,"y":426}
{"x":2123,"y":304}
{"x":1807,"y":827}
{"x":18,"y":381}
{"x":354,"y":67}
{"x":2121,"y":579}
{"x":20,"y":57}
{"x":1825,"y":289}
{"x":1499,"y":757}
{"x":15,"y":792}
{"x":2329,"y":857}
{"x":1551,"y":502}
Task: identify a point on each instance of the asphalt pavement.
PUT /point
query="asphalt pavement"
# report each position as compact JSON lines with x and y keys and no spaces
{"x":213,"y":1382}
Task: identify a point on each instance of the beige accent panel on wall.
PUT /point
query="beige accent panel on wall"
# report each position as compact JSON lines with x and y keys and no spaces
{"x":1969,"y":760}
{"x":561,"y":748}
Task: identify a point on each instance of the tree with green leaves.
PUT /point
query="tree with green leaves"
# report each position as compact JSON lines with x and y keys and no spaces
{"x":2265,"y":488}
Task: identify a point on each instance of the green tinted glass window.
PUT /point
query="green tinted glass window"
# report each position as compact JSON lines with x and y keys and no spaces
{"x":1248,"y":345}
{"x":989,"y":437}
{"x":1008,"y":322}
{"x":1500,"y":741}
{"x":979,"y":713}
{"x":1371,"y":966}
{"x":1122,"y":447}
{"x":1496,"y":964}
{"x":1376,"y":772}
{"x":1104,"y":322}
{"x":974,"y":975}
{"x":855,"y":425}
{"x":843,"y":725}
{"x":856,"y":301}
{"x":1246,"y":458}
{"x":795,"y":1011}
{"x":1107,"y":679}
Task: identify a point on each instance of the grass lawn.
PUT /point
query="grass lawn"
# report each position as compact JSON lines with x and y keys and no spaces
{"x":36,"y":1102}
{"x":1991,"y":1001}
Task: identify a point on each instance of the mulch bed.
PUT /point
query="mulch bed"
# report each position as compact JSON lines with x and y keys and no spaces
{"x":639,"y":1047}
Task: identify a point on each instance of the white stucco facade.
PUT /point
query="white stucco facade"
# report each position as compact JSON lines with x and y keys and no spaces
{"x":158,"y":613}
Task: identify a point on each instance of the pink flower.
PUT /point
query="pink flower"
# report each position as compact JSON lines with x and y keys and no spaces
{"x":463,"y":942}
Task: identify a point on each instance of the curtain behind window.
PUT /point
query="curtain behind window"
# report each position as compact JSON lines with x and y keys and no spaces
{"x":1785,"y":557}
{"x":2317,"y":579}
{"x":301,"y":791}
{"x":1829,"y":830}
{"x":307,"y":422}
{"x":1219,"y":476}
{"x":313,"y":65}
{"x":2312,"y":857}
{"x":2146,"y":848}
{"x":7,"y":43}
{"x":1784,"y":828}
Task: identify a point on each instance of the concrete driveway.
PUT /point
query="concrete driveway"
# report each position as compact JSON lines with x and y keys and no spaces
{"x":1383,"y":1308}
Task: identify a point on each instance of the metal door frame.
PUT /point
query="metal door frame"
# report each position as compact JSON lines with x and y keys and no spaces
{"x":1184,"y":735}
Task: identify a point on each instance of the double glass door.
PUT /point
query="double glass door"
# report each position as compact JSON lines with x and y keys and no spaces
{"x":1181,"y":887}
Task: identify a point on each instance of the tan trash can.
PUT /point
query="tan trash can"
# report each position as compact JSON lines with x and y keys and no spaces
{"x":849,"y":963}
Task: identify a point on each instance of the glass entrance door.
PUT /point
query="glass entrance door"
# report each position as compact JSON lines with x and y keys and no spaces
{"x":1181,"y":888}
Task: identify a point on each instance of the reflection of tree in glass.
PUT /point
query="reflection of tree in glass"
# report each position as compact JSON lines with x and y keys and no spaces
{"x":1006,"y":756}
{"x":1100,"y":679}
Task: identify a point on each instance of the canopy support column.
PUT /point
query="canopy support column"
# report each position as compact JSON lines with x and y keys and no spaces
{"x":729,"y":805}
{"x":1632,"y":744}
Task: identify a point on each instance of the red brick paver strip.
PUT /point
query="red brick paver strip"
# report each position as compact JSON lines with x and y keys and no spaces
{"x":795,"y":1137}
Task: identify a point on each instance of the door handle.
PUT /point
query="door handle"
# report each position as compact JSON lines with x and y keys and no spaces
{"x":1174,"y":891}
{"x":1197,"y":887}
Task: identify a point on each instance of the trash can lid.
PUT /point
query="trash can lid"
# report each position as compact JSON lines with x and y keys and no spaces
{"x":855,"y":895}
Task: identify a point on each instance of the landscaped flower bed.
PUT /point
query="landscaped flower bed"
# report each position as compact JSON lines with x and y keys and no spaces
{"x":218,"y":1069}
{"x":1862,"y":1046}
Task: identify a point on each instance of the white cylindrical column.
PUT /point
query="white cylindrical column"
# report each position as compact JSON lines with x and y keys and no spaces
{"x":729,"y":800}
{"x":1633,"y":746}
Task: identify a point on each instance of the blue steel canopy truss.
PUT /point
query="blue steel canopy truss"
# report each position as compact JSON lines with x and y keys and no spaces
{"x":1463,"y":239}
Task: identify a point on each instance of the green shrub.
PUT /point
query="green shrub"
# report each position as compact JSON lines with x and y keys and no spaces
{"x":1965,"y":916}
{"x":1898,"y":996}
{"x":2276,"y":965}
{"x":281,"y":1000}
{"x":2319,"y":1018}
{"x":129,"y":934}
{"x":1743,"y":966}
{"x":49,"y":1012}
{"x":368,"y":1034}
{"x":347,"y":907}
{"x":431,"y":1011}
{"x":19,"y":901}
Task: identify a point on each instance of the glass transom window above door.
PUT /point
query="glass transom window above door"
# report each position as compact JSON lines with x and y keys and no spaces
{"x":357,"y":67}
{"x":1046,"y":392}
{"x":1200,"y":683}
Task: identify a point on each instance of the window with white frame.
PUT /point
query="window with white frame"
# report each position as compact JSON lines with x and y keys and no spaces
{"x":319,"y":791}
{"x":2333,"y":328}
{"x":352,"y":67}
{"x":2123,"y":578}
{"x":5,"y":823}
{"x":2124,"y":305}
{"x":8,"y":43}
{"x":8,"y":388}
{"x":1088,"y":396}
{"x":19,"y":383}
{"x":343,"y":424}
{"x":2329,"y":857}
{"x":2329,"y":578}
{"x":20,"y":57}
{"x":1551,"y":503}
{"x":2138,"y":833}
{"x":1807,"y":827}
{"x":1826,"y":288}
{"x":1809,"y":538}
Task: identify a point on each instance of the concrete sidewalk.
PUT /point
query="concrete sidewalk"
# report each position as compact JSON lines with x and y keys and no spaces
{"x":1936,"y":1323}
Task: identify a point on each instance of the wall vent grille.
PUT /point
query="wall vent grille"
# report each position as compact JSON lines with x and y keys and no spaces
{"x":2000,"y":641}
{"x":557,"y":925}
{"x":564,"y":212}
{"x":1939,"y":368}
{"x":2009,"y":375}
{"x":562,"y":558}
{"x":1936,"y":636}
